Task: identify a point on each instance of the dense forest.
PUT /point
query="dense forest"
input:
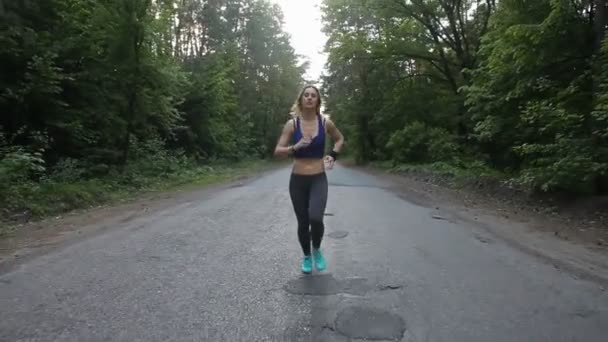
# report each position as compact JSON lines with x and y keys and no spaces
{"x":102,"y":95}
{"x":128,"y":90}
{"x":516,"y":86}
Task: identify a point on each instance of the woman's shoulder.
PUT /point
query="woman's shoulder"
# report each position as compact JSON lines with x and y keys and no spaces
{"x":327,"y":120}
{"x":290,"y":123}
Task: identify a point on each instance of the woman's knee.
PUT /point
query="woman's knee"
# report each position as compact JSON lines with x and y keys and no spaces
{"x":316,"y":213}
{"x":316,"y":220}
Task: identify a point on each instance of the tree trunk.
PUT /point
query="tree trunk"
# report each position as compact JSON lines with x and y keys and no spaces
{"x":599,"y":23}
{"x":600,"y":20}
{"x":130,"y":119}
{"x":133,"y":89}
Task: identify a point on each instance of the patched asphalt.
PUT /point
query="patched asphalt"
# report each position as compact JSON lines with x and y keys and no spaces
{"x":226,"y":268}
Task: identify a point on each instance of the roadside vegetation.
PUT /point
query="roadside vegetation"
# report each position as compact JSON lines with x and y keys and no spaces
{"x":103,"y":100}
{"x":516,"y":90}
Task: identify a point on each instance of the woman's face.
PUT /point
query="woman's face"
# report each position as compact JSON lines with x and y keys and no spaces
{"x":310,"y":98}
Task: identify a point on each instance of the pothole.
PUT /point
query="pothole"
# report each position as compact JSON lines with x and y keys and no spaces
{"x":326,"y":284}
{"x":319,"y":285}
{"x":355,"y":286}
{"x":389,"y":287}
{"x":359,"y":322}
{"x":584,"y":313}
{"x":483,"y":239}
{"x":338,"y":234}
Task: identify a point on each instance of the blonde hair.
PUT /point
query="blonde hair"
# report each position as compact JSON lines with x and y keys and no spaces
{"x":296,"y":108}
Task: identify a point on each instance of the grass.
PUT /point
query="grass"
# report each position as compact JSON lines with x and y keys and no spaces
{"x":456,"y":174}
{"x":56,"y":195}
{"x":448,"y":169}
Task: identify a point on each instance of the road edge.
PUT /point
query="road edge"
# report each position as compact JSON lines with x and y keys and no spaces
{"x":23,"y":249}
{"x":577,"y":259}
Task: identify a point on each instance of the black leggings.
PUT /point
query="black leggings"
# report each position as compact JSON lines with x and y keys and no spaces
{"x":309,"y":197}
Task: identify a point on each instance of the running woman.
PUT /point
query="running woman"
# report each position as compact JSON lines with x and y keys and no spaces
{"x":303,"y":137}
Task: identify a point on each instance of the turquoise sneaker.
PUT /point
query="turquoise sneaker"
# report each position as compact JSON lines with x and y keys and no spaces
{"x":319,"y":260}
{"x":307,"y":264}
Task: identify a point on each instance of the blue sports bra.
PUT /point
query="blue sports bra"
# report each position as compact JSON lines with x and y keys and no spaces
{"x":316,"y":149}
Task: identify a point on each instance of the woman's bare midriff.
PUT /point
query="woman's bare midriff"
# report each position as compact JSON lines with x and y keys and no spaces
{"x":308,"y":166}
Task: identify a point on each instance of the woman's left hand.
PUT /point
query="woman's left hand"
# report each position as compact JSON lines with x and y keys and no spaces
{"x":329,"y":162}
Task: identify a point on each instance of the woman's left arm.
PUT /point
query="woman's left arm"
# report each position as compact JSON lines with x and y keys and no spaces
{"x":336,"y":136}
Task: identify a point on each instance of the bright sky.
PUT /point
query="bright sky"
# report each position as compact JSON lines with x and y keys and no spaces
{"x":302,"y":20}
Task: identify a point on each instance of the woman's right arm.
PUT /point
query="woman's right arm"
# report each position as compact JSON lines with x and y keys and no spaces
{"x":283,"y":149}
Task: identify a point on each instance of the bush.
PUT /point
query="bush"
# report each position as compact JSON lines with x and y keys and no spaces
{"x":562,"y":156}
{"x":419,"y":143}
{"x":30,"y":187}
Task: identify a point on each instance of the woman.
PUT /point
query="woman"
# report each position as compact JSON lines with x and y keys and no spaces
{"x":304,"y":137}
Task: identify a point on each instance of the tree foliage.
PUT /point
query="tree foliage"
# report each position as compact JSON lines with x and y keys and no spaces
{"x":95,"y":93}
{"x":519,"y":85}
{"x":212,"y":78}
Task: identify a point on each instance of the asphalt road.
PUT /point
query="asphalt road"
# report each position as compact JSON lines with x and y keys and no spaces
{"x":225,"y":267}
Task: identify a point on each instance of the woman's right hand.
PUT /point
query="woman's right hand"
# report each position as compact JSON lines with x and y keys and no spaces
{"x":304,"y":141}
